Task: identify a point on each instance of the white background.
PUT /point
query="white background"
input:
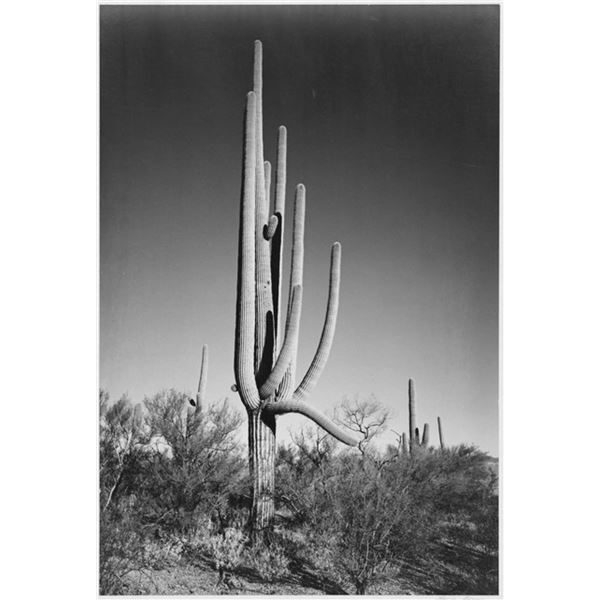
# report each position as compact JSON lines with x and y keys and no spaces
{"x":48,"y":249}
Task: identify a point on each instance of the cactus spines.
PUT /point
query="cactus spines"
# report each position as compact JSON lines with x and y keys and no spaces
{"x":425,"y":438}
{"x":412,"y":413}
{"x":440,"y":432}
{"x":265,"y":361}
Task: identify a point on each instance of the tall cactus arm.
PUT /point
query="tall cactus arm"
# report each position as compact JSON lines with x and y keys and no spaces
{"x":324,"y":347}
{"x":287,"y":350}
{"x":201,"y":394}
{"x":264,"y":335}
{"x":298,"y":406}
{"x":297,"y":273}
{"x":279,"y":213}
{"x":245,"y":304}
{"x":261,"y":206}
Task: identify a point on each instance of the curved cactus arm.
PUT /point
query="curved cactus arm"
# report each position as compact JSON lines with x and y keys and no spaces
{"x":297,"y":406}
{"x":201,"y":394}
{"x":245,"y":304}
{"x":271,"y":227}
{"x":279,"y":212}
{"x":287,"y":350}
{"x":296,"y":275}
{"x":322,"y":353}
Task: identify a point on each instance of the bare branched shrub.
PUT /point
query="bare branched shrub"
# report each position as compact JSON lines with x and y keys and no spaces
{"x":368,"y":417}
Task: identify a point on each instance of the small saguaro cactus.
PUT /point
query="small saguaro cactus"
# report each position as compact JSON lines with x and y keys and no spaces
{"x":425,"y":438}
{"x":412,"y":416}
{"x":415,"y":439}
{"x":440,"y":432}
{"x":265,"y":360}
{"x":201,"y":393}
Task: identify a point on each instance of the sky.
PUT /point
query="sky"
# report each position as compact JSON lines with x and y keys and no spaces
{"x":392,"y":115}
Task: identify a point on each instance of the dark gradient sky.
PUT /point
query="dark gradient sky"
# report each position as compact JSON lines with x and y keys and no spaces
{"x":392,"y":116}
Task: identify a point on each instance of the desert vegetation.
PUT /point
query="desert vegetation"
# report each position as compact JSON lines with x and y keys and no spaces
{"x":176,"y":504}
{"x":188,"y":507}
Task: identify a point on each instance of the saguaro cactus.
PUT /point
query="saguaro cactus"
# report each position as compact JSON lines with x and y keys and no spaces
{"x":415,"y":439}
{"x":404,"y":444}
{"x":425,"y":438}
{"x":201,"y":393}
{"x":440,"y":432}
{"x":412,"y":415}
{"x":265,"y":360}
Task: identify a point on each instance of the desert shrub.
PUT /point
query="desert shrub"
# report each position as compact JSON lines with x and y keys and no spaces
{"x":122,"y":441}
{"x":196,"y":542}
{"x":363,"y":516}
{"x":122,"y":552}
{"x":226,"y":549}
{"x":162,"y":553}
{"x":172,"y":486}
{"x":196,"y":463}
{"x":457,"y":537}
{"x":270,"y":562}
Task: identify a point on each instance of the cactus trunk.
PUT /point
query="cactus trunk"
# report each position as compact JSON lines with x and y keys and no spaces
{"x":261,"y":455}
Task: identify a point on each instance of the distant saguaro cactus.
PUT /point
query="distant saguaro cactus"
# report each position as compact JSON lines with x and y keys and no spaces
{"x":201,"y":393}
{"x":265,"y":360}
{"x":425,"y":438}
{"x":412,"y":414}
{"x":404,"y":445}
{"x":440,"y":432}
{"x":415,"y":439}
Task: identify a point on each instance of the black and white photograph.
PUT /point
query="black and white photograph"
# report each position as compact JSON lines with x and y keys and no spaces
{"x":299,"y":299}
